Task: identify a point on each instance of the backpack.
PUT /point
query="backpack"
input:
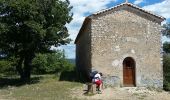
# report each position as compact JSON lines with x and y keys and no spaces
{"x":92,"y":74}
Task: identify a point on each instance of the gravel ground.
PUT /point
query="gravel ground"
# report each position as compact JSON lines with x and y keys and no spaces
{"x":125,"y":93}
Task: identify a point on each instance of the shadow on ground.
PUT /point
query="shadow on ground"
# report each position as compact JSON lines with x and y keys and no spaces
{"x":6,"y":81}
{"x":74,"y":76}
{"x":68,"y":76}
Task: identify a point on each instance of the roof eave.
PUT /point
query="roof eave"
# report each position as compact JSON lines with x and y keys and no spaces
{"x":86,"y":21}
{"x":130,"y":4}
{"x":103,"y":11}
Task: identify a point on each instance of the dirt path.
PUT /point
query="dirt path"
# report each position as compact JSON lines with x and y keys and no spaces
{"x":123,"y":94}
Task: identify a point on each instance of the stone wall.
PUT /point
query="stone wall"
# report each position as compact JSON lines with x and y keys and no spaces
{"x":122,"y":34}
{"x":83,"y":54}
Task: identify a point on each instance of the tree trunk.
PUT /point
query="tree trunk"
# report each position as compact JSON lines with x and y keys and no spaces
{"x":19,"y":68}
{"x":28,"y":67}
{"x":25,"y":71}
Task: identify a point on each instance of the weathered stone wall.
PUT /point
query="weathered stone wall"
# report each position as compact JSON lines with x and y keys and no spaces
{"x":122,"y":34}
{"x":83,"y":54}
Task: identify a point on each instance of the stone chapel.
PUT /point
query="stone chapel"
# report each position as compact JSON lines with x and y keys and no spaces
{"x":124,"y":43}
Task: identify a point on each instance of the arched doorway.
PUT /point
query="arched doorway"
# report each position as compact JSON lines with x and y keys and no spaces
{"x":129,"y":71}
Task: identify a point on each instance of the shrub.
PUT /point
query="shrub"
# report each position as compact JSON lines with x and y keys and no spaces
{"x":39,"y":64}
{"x":166,"y":70}
{"x":7,"y":66}
{"x":51,"y":63}
{"x":42,"y":64}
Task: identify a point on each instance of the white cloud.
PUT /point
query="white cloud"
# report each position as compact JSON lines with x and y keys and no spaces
{"x":165,"y":39}
{"x":162,"y":8}
{"x":81,"y":9}
{"x":138,"y":1}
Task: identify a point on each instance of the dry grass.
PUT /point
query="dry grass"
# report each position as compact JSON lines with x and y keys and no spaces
{"x":48,"y":88}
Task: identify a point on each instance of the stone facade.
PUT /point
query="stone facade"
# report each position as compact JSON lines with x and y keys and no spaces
{"x":112,"y":36}
{"x":83,"y":54}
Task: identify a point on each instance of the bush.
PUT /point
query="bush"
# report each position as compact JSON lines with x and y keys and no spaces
{"x":166,"y":86}
{"x":39,"y":64}
{"x":166,"y":70}
{"x":42,"y":64}
{"x":7,"y":66}
{"x":166,"y":47}
{"x":51,"y":63}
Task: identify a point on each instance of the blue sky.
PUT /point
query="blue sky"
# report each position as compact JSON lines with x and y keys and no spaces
{"x":83,"y":8}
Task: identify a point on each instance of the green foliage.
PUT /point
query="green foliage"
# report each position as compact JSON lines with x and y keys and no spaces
{"x":4,"y":66}
{"x":166,"y":85}
{"x":166,"y":57}
{"x":39,"y":64}
{"x":166,"y":32}
{"x":166,"y":47}
{"x":51,"y":63}
{"x":166,"y":70}
{"x":42,"y":64}
{"x":7,"y":66}
{"x":32,"y":26}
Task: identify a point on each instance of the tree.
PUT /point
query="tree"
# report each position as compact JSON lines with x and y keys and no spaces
{"x":32,"y":26}
{"x":51,"y":63}
{"x":166,"y":47}
{"x":166,"y":57}
{"x":166,"y":71}
{"x":7,"y":66}
{"x":166,"y":31}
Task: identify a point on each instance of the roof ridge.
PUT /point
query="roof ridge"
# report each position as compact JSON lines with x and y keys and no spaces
{"x":126,"y":3}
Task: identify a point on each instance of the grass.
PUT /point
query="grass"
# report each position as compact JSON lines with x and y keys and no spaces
{"x":47,"y":88}
{"x":142,"y":97}
{"x":136,"y":94}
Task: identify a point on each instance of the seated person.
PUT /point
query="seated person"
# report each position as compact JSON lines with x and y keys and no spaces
{"x":97,"y":80}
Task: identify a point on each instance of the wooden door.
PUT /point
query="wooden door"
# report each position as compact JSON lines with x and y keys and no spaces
{"x":129,"y":72}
